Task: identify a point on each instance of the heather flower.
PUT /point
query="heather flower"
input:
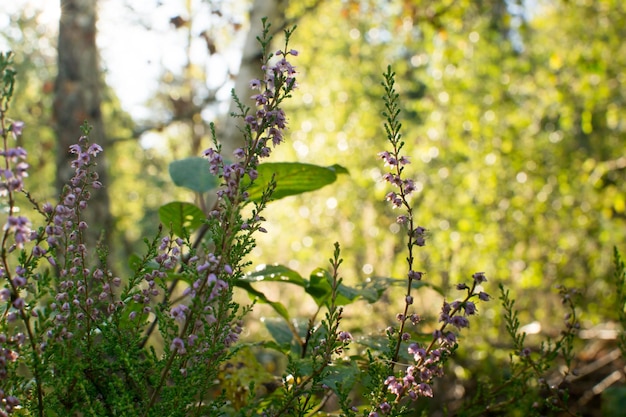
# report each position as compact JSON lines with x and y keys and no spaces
{"x":16,"y":128}
{"x":178,"y":346}
{"x":469,"y":308}
{"x":459,"y":322}
{"x":20,"y":227}
{"x":179,"y":312}
{"x":415,"y":275}
{"x":345,"y":337}
{"x":255,"y":84}
{"x":479,"y":277}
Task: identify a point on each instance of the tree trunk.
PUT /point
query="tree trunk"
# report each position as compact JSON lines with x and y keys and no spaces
{"x":77,"y":99}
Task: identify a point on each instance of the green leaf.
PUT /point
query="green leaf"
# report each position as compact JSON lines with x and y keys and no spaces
{"x":278,"y":273}
{"x":342,"y":376}
{"x":193,"y":173}
{"x":293,"y":178}
{"x":339,"y":169}
{"x":179,"y":216}
{"x":320,"y":288}
{"x":614,"y":401}
{"x":255,"y":294}
{"x":270,"y":273}
{"x":279,"y":330}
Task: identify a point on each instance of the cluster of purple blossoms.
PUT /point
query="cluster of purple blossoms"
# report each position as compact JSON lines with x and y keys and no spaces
{"x":12,"y":180}
{"x":66,"y":215}
{"x":83,"y":293}
{"x":16,"y":167}
{"x":407,"y":186}
{"x":8,"y":403}
{"x":207,"y":288}
{"x":265,"y":125}
{"x":168,"y":257}
{"x":416,"y":381}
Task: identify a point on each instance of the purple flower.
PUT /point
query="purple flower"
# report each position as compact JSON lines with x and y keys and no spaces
{"x":479,"y":277}
{"x":345,"y":337}
{"x":470,"y":308}
{"x":178,"y":312}
{"x":16,"y":128}
{"x":20,"y":226}
{"x":239,"y":153}
{"x":255,"y":84}
{"x":415,"y":275}
{"x":415,"y":318}
{"x":483,"y":296}
{"x":425,"y":390}
{"x":402,"y":219}
{"x":178,"y":346}
{"x":459,"y":322}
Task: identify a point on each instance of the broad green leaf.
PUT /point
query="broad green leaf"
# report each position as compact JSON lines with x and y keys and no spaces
{"x":193,"y":173}
{"x":277,"y":273}
{"x":344,"y":375}
{"x":293,"y":178}
{"x":279,"y":330}
{"x":376,"y":343}
{"x":179,"y":216}
{"x":271,"y":273}
{"x":320,"y":288}
{"x":339,"y":169}
{"x":255,"y":294}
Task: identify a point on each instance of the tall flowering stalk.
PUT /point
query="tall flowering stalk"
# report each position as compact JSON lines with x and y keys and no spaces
{"x":208,"y":321}
{"x":414,"y":379}
{"x":79,"y":329}
{"x":14,"y":340}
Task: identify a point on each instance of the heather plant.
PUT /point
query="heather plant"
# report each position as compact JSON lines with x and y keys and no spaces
{"x":76,"y":339}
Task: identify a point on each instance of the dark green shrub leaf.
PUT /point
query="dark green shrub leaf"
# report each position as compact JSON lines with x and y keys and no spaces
{"x":293,"y":178}
{"x":193,"y":173}
{"x":614,"y":401}
{"x":279,"y":330}
{"x":343,"y":375}
{"x":259,"y":296}
{"x":278,"y":273}
{"x":178,"y":216}
{"x":320,"y":288}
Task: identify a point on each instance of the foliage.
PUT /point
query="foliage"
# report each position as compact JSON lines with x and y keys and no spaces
{"x":76,"y":338}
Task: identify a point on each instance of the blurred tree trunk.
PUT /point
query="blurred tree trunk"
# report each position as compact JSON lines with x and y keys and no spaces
{"x":250,"y":67}
{"x":77,"y":99}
